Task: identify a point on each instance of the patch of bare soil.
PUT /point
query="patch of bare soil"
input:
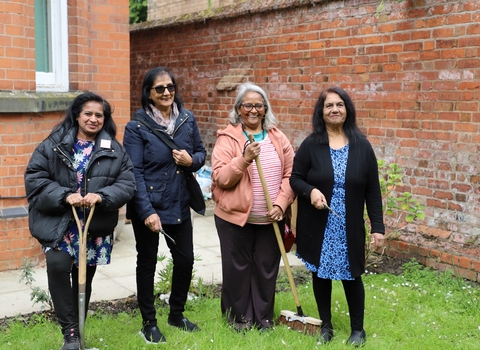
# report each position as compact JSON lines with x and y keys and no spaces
{"x":385,"y":264}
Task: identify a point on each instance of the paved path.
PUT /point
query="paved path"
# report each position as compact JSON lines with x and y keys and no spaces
{"x":117,"y":280}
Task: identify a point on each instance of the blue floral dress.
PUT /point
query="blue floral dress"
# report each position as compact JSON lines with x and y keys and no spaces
{"x":99,"y":249}
{"x":334,"y":263}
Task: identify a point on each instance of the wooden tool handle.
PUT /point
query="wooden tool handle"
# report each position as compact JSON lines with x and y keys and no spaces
{"x":277,"y":230}
{"x":82,"y":248}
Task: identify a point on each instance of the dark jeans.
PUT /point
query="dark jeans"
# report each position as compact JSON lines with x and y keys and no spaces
{"x":182,"y":256}
{"x":354,"y":293}
{"x":64,"y":291}
{"x":250,"y":262}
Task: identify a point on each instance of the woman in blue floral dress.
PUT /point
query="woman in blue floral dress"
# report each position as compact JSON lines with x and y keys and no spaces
{"x":335,"y":175}
{"x":79,"y":164}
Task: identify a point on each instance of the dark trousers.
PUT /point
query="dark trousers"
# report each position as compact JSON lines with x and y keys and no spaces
{"x":182,"y":256}
{"x":250,"y":262}
{"x":354,"y":293}
{"x":63,"y":290}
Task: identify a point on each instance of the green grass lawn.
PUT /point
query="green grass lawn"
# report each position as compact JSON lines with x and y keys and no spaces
{"x":419,"y":309}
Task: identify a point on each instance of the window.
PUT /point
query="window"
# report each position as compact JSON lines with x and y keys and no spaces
{"x":51,"y":45}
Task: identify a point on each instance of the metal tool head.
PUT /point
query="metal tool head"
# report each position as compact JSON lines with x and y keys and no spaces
{"x":162,"y":231}
{"x":331,"y":210}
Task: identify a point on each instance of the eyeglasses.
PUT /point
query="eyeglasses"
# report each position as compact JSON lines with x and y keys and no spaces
{"x":249,"y":106}
{"x":160,"y":89}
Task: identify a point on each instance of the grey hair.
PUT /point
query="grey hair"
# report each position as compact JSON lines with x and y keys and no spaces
{"x":269,"y":122}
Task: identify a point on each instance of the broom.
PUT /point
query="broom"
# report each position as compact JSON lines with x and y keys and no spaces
{"x":82,"y":272}
{"x":297,"y":321}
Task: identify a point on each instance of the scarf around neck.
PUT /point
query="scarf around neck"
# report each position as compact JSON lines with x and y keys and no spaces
{"x":158,"y":118}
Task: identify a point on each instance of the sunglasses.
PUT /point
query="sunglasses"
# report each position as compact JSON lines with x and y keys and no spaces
{"x":160,"y":89}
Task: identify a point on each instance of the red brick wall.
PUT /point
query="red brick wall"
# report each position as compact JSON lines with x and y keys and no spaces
{"x":17,"y":46}
{"x":99,"y":60}
{"x":413,"y":73}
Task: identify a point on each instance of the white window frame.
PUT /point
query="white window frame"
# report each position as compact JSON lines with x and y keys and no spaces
{"x":58,"y":79}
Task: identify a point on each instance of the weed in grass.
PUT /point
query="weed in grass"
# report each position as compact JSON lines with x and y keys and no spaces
{"x":399,"y":209}
{"x":37,"y":295}
{"x":164,"y":284}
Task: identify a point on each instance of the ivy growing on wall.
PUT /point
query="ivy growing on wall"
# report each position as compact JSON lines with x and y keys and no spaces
{"x":138,"y":11}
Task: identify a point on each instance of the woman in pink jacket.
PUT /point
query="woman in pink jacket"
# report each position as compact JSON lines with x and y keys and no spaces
{"x":250,"y":253}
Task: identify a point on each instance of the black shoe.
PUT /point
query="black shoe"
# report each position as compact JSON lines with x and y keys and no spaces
{"x":152,"y":335}
{"x":266,"y":329}
{"x":357,"y":338}
{"x":326,"y":335}
{"x":71,"y":339}
{"x":184,"y":323}
{"x":241,"y":327}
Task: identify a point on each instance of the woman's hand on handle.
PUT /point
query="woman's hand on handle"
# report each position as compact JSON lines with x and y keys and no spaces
{"x":153,"y":223}
{"x":318,"y":199}
{"x":75,"y":199}
{"x":89,"y":200}
{"x":251,"y":152}
{"x":276,"y":214}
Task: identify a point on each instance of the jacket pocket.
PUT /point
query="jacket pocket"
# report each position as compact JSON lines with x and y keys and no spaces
{"x":157,"y":195}
{"x":232,"y":201}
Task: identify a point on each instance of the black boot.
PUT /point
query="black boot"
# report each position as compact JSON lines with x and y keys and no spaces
{"x":357,"y":338}
{"x":326,"y":334}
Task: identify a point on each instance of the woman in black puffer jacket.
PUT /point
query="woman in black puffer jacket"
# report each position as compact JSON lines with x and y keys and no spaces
{"x":81,"y":164}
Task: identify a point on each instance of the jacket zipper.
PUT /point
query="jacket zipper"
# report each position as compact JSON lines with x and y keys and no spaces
{"x":65,"y":156}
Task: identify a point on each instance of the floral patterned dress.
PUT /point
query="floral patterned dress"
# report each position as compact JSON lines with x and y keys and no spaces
{"x":99,"y":249}
{"x":334,"y":263}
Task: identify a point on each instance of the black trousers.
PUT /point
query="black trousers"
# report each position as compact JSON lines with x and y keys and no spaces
{"x":64,"y":290}
{"x":250,"y":262}
{"x":354,"y":293}
{"x":182,"y":256}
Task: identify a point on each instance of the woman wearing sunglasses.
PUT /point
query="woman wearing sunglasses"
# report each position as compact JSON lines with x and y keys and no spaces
{"x":161,"y":202}
{"x":250,"y":254}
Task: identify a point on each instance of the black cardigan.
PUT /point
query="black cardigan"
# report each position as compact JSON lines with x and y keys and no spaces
{"x":312,"y":168}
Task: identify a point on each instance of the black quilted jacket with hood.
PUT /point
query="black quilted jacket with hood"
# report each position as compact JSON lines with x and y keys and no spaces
{"x":50,"y":177}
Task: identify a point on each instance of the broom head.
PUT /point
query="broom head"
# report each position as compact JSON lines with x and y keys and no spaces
{"x":302,"y":324}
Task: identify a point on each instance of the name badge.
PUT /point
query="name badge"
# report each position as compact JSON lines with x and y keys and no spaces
{"x":105,"y":143}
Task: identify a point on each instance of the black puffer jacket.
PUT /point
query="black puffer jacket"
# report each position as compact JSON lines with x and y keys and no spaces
{"x":50,"y":177}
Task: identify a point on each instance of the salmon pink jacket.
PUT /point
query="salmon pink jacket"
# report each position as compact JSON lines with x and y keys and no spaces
{"x":232,"y":188}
